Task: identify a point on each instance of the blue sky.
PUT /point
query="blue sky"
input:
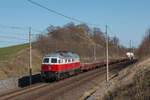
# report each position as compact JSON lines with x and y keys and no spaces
{"x":128,"y":19}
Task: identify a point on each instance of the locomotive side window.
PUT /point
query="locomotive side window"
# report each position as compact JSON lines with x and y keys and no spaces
{"x":46,"y":60}
{"x":53,"y":60}
{"x":59,"y":61}
{"x":65,"y":60}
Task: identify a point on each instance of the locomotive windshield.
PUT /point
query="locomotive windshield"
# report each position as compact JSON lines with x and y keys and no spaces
{"x":53,"y":60}
{"x":46,"y":60}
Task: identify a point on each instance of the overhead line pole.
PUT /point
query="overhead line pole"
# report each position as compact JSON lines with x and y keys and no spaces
{"x":107,"y":77}
{"x":30,"y":58}
{"x":95,"y":52}
{"x":130,"y":46}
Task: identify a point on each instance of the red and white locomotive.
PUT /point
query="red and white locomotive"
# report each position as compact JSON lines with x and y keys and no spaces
{"x":59,"y":64}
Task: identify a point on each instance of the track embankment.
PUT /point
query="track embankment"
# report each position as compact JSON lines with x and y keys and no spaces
{"x":71,"y":88}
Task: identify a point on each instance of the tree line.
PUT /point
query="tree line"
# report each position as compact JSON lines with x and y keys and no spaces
{"x":80,"y":39}
{"x":144,"y":48}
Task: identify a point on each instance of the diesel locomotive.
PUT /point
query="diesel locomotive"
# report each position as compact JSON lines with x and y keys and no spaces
{"x":59,"y":64}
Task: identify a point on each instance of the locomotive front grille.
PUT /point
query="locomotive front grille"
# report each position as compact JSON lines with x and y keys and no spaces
{"x":48,"y":74}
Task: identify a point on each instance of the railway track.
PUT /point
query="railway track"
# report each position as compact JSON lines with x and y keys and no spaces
{"x":20,"y":91}
{"x":51,"y":86}
{"x":43,"y":90}
{"x":60,"y":91}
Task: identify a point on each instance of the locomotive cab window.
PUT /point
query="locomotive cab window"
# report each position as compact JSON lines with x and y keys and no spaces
{"x":46,"y":60}
{"x":53,"y":60}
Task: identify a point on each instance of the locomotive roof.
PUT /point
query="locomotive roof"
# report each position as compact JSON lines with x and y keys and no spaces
{"x":62,"y":54}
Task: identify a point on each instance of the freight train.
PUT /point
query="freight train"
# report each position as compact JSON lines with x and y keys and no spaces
{"x":130,"y":55}
{"x":61,"y":64}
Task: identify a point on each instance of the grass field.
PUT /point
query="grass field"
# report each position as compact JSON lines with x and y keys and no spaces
{"x":8,"y":52}
{"x":14,"y":61}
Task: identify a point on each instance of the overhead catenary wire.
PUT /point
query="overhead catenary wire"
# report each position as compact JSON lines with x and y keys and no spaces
{"x":12,"y":37}
{"x":6,"y":41}
{"x":16,"y":34}
{"x":61,"y":14}
{"x":20,"y":36}
{"x":112,"y":33}
{"x":39,"y":32}
{"x":13,"y":27}
{"x":19,"y":28}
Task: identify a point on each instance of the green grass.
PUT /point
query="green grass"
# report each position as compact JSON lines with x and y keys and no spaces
{"x":8,"y":52}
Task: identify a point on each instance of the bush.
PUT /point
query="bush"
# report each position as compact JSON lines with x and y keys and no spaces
{"x":138,"y":90}
{"x":144,"y":48}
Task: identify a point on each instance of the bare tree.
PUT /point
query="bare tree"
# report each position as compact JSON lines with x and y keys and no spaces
{"x":76,"y":38}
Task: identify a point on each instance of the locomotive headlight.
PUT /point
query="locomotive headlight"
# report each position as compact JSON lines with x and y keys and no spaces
{"x":49,"y":67}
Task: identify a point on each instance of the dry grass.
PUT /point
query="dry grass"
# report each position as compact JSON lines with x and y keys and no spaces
{"x":19,"y":64}
{"x":133,"y":83}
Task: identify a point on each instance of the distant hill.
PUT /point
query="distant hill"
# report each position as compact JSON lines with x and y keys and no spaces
{"x":8,"y":52}
{"x":14,"y":60}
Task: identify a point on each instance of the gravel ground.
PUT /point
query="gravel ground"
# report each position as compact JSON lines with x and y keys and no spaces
{"x":79,"y":91}
{"x":69,"y":89}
